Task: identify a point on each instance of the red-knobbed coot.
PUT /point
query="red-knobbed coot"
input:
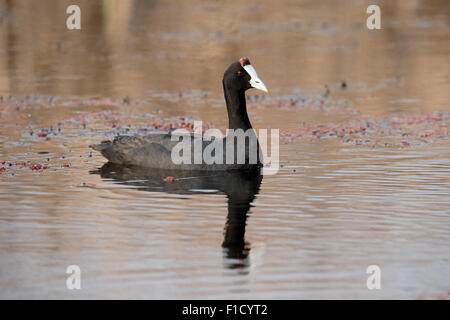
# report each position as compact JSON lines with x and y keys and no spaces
{"x":228,"y":152}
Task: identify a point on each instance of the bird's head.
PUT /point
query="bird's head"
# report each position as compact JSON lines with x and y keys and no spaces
{"x":241,"y":75}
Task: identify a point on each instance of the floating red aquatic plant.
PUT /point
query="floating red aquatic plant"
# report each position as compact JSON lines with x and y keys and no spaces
{"x":371,"y":130}
{"x":169,"y":179}
{"x":37,"y":166}
{"x":181,"y":123}
{"x":32,"y":165}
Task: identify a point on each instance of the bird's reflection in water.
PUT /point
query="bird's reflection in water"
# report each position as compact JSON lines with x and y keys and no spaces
{"x":239,"y":187}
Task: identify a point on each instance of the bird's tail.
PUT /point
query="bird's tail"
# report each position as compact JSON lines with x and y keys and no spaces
{"x":101,"y":146}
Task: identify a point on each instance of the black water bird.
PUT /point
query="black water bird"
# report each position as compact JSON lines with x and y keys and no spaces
{"x":155,"y":150}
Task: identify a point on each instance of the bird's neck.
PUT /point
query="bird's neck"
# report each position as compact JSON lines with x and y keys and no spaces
{"x":237,"y":109}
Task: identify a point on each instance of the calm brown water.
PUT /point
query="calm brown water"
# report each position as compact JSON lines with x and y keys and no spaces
{"x":378,"y":196}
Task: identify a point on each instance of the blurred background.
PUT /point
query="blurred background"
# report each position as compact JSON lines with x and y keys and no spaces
{"x":128,"y":47}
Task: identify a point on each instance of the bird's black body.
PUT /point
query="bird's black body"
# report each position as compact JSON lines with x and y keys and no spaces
{"x":155,"y":150}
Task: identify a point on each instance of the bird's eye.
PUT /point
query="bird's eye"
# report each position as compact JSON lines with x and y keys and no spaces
{"x":240,"y":73}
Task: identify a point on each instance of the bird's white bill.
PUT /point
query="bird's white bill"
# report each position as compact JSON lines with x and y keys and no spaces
{"x":255,"y":81}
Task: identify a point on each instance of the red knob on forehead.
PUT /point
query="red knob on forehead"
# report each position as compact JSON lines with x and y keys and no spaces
{"x":244,"y":61}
